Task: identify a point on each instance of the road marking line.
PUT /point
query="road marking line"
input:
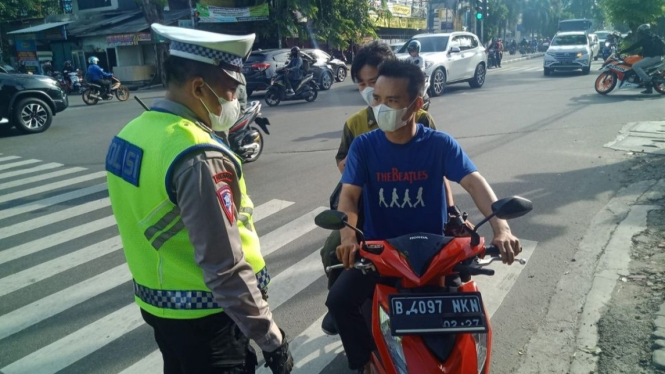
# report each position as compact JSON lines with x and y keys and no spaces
{"x":50,"y":187}
{"x":48,"y":219}
{"x":17,"y":164}
{"x":289,"y":232}
{"x":53,"y":200}
{"x":48,"y":269}
{"x":7,"y":158}
{"x":58,"y":238}
{"x":53,"y":304}
{"x":39,"y":178}
{"x":16,"y":173}
{"x":66,"y":351}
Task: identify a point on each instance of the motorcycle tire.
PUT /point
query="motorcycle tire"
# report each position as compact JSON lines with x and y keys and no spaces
{"x":313,"y":95}
{"x":122,"y":93}
{"x":272,"y":97}
{"x":256,"y":156}
{"x":660,"y":87}
{"x":87,"y":99}
{"x":601,"y":85}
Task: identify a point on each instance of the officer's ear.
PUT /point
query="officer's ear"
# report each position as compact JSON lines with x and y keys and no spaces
{"x":196,"y":87}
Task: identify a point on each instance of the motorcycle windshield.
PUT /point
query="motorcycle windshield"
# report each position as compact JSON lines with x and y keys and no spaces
{"x":419,"y":249}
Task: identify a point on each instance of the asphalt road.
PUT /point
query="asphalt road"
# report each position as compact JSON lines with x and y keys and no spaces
{"x":66,"y":300}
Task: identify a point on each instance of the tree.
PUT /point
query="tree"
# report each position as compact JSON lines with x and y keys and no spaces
{"x":153,"y":11}
{"x":24,"y":9}
{"x":340,"y":22}
{"x":283,"y":22}
{"x":633,"y":12}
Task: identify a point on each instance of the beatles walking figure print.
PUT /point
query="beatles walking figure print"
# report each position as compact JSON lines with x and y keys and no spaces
{"x":407,"y":199}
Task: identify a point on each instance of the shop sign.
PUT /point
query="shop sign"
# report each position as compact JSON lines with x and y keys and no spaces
{"x":26,"y":46}
{"x":399,"y":10}
{"x":127,"y":39}
{"x":399,"y":22}
{"x":214,"y":14}
{"x":56,"y":33}
{"x":27,"y":56}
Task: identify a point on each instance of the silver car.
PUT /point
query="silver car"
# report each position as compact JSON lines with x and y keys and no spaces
{"x":569,"y":51}
{"x":451,"y":58}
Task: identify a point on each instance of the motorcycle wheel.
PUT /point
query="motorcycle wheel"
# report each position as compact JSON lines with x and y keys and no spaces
{"x":660,"y":86}
{"x":122,"y":93}
{"x":272,"y":97}
{"x":312,"y":94}
{"x":606,"y":82}
{"x":256,"y":156}
{"x":87,"y":99}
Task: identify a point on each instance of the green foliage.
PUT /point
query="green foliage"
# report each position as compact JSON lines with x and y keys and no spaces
{"x":633,"y":12}
{"x":339,"y":22}
{"x":282,"y":20}
{"x":11,"y":10}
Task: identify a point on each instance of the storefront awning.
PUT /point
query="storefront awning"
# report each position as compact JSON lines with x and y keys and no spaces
{"x":39,"y":28}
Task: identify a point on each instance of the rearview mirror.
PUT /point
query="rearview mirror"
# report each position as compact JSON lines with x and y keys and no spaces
{"x":511,"y":207}
{"x":331,"y":220}
{"x":455,"y":50}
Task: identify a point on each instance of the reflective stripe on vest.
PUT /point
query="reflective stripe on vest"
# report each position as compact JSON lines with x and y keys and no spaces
{"x":188,"y":300}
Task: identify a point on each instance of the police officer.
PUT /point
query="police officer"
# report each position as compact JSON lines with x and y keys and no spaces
{"x":178,"y":195}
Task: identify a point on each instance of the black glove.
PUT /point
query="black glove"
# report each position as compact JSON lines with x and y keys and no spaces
{"x":280,"y":360}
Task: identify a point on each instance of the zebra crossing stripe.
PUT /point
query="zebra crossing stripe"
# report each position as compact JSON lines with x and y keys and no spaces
{"x":36,"y":169}
{"x":39,"y":178}
{"x":50,"y":201}
{"x":50,"y":187}
{"x":8,"y":158}
{"x":17,"y":164}
{"x":45,"y":220}
{"x":289,"y":232}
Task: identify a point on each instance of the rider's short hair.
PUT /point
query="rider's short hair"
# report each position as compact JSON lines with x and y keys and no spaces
{"x":372,"y":54}
{"x":405,"y":70}
{"x":179,"y":70}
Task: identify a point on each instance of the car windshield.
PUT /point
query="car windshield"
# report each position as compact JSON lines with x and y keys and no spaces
{"x":7,"y":68}
{"x":602,"y":35}
{"x":570,"y":40}
{"x":428,"y":44}
{"x":256,"y":57}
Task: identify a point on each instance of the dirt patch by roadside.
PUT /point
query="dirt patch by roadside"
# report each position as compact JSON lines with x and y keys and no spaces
{"x":626,"y":328}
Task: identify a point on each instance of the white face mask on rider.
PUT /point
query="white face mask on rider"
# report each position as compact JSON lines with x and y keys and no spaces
{"x":389,"y":119}
{"x":229,"y":116}
{"x":368,"y":95}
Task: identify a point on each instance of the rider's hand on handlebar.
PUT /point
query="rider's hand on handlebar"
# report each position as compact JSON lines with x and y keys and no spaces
{"x":346,"y":253}
{"x":508,"y":245}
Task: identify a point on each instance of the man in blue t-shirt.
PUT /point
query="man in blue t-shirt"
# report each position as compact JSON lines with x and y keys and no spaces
{"x":398,"y":170}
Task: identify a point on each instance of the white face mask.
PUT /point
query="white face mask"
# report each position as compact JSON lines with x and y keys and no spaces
{"x":390,"y":119}
{"x":228,"y":117}
{"x":368,"y":95}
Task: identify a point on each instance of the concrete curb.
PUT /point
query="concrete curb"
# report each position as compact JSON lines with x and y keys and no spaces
{"x":529,"y":57}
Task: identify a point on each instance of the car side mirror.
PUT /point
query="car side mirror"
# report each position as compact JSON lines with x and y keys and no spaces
{"x":331,"y":220}
{"x":455,"y":50}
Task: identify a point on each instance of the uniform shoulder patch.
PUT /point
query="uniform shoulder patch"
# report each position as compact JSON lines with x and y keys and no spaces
{"x":225,"y":197}
{"x":223,"y":176}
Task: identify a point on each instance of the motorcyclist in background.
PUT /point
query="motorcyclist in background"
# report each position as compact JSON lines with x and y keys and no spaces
{"x":97,"y":75}
{"x":294,"y":71}
{"x":414,"y":54}
{"x":653,"y":49}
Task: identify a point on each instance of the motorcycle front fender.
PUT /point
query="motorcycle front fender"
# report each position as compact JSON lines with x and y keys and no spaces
{"x":263,"y":123}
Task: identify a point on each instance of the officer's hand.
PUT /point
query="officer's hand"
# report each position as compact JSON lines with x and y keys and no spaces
{"x":280,"y":360}
{"x":346,"y":253}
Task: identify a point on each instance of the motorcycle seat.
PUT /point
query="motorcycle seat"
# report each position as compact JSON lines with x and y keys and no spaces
{"x":419,"y":249}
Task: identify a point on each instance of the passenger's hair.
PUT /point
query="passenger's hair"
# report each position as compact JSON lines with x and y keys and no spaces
{"x":405,"y":70}
{"x":372,"y":54}
{"x":179,"y":70}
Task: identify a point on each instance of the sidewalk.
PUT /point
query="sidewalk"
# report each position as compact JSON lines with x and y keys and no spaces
{"x":508,"y":58}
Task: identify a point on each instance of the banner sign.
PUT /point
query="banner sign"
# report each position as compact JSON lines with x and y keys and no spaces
{"x":26,"y":46}
{"x":214,"y":14}
{"x":399,"y":22}
{"x":128,"y":39}
{"x":399,"y":10}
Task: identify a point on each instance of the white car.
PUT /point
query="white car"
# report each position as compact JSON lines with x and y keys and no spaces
{"x":594,"y":42}
{"x":568,"y":51}
{"x":450,"y":58}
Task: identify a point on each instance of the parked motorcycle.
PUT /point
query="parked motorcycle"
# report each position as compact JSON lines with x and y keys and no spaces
{"x":92,"y":93}
{"x":421,"y":323}
{"x":619,"y":70}
{"x":245,"y":140}
{"x":307,"y":89}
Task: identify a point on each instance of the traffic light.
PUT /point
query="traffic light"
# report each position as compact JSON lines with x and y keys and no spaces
{"x":479,"y":16}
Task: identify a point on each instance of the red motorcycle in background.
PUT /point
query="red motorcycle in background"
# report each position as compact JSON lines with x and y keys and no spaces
{"x":419,"y":322}
{"x":618,"y":70}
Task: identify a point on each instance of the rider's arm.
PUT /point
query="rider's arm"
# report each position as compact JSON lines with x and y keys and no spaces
{"x":483,"y":196}
{"x":200,"y":182}
{"x":633,"y":47}
{"x":353,"y":180}
{"x":343,"y":151}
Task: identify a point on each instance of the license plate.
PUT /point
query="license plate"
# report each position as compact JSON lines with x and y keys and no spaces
{"x":437,"y":314}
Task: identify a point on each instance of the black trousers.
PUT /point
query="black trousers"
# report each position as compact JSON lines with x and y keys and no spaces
{"x":208,"y":345}
{"x":106,"y":85}
{"x":345,"y":300}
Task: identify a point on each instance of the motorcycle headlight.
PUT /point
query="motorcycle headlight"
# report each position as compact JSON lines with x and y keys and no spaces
{"x":394,"y":343}
{"x":481,"y":350}
{"x":607,"y":44}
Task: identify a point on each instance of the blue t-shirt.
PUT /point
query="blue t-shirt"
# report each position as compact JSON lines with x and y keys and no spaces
{"x":402,"y":184}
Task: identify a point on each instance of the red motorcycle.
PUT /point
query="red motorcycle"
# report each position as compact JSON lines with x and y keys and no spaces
{"x":422,"y":321}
